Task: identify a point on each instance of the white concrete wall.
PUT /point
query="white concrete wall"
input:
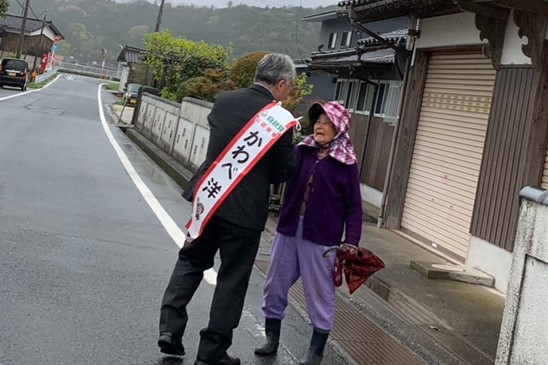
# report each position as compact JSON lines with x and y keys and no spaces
{"x":460,"y":29}
{"x":183,"y":140}
{"x":48,"y":32}
{"x":199,"y":145}
{"x":181,"y":130}
{"x":512,"y":53}
{"x":124,"y":77}
{"x":196,"y":110}
{"x":158,"y":123}
{"x":193,"y":133}
{"x":142,"y":113}
{"x":371,"y":195}
{"x":166,"y":136}
{"x":449,"y":30}
{"x":145,"y":125}
{"x":523,"y":337}
{"x":490,"y":259}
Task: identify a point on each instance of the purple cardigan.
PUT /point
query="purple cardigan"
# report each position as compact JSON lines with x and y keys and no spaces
{"x":334,"y":200}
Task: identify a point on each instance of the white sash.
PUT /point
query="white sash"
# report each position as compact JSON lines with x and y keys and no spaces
{"x":236,"y":160}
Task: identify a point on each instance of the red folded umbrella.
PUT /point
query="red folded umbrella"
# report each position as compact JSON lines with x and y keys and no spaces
{"x":356,"y":263}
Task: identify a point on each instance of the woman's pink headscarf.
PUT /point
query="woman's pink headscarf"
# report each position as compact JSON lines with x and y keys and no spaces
{"x":341,"y":148}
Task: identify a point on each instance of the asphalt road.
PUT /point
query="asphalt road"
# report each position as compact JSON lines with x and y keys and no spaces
{"x":84,"y":255}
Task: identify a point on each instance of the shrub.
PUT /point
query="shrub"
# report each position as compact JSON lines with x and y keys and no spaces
{"x":242,"y":71}
{"x":207,"y":87}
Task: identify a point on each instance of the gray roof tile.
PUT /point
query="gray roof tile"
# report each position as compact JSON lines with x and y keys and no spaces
{"x":14,"y":23}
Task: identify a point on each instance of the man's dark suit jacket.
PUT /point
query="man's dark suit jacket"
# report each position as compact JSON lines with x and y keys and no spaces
{"x":247,"y":204}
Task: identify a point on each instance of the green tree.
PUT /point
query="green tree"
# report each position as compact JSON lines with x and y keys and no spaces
{"x":82,"y":41}
{"x":64,"y":48}
{"x":174,"y":61}
{"x":242,"y":72}
{"x":207,"y":87}
{"x":137,"y":32}
{"x":279,"y":29}
{"x":4,"y":4}
{"x":301,"y":90}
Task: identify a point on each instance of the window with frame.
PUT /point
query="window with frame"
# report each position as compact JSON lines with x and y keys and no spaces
{"x":346,"y":39}
{"x":391,"y":104}
{"x":381,"y":97}
{"x":332,"y":41}
{"x":341,"y":91}
{"x":351,"y":99}
{"x":346,"y":93}
{"x":338,"y":88}
{"x":365,"y":96}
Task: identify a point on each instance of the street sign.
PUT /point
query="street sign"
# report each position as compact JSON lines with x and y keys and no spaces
{"x":54,"y":48}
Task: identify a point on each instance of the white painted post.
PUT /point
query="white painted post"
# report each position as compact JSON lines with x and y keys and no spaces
{"x":523,"y":337}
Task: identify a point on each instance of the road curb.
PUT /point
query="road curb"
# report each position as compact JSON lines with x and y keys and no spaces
{"x":176,"y":171}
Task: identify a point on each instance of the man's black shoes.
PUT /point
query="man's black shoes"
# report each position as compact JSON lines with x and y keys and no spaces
{"x":169,"y":345}
{"x":226,"y":360}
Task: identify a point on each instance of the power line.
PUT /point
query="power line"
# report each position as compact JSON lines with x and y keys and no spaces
{"x":30,"y":8}
{"x":22,"y":7}
{"x":268,"y":3}
{"x":32,"y":11}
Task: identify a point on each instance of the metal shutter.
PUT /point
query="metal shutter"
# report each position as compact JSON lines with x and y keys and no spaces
{"x":544,"y":184}
{"x":448,"y":149}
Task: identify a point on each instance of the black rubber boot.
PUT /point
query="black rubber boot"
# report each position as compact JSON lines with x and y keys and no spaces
{"x":272,"y":329}
{"x":315,"y":350}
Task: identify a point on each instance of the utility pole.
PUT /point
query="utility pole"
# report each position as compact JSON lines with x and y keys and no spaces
{"x":39,"y":43}
{"x":23,"y":25}
{"x":159,"y":20}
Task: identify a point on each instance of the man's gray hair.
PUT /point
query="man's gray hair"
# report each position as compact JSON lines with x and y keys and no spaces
{"x":274,"y":67}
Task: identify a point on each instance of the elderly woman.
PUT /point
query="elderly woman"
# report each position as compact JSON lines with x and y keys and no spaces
{"x":322,"y":201}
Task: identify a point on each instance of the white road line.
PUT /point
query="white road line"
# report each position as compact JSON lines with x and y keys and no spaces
{"x":29,"y":91}
{"x":210,"y":276}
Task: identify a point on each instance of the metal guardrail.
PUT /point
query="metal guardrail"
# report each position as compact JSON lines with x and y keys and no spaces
{"x":45,"y":75}
{"x":89,"y":71}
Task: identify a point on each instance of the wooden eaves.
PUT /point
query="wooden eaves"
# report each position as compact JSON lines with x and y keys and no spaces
{"x":531,"y":17}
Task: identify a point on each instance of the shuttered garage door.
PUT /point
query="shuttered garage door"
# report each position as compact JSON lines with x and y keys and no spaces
{"x":448,"y":149}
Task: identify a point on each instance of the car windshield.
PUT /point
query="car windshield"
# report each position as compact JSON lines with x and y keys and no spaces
{"x":133,"y":88}
{"x":14,"y":65}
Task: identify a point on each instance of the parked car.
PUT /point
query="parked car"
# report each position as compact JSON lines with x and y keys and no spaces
{"x":132,"y":92}
{"x":14,"y":72}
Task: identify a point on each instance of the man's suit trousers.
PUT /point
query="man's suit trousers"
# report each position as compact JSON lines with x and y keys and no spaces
{"x":237,"y":247}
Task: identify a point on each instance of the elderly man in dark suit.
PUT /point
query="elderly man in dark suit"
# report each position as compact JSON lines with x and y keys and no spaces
{"x":236,"y":227}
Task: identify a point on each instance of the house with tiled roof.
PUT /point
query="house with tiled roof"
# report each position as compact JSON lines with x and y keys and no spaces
{"x":39,"y":37}
{"x":367,"y":66}
{"x":131,"y":60}
{"x":473,"y":129}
